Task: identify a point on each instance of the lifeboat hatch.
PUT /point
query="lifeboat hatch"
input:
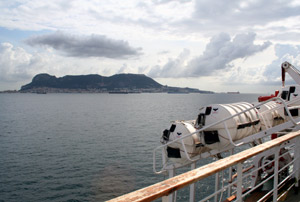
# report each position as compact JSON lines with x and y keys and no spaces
{"x":294,"y":112}
{"x":211,"y":137}
{"x":172,"y":128}
{"x":201,"y":119}
{"x":166,"y":135}
{"x":284,"y":94}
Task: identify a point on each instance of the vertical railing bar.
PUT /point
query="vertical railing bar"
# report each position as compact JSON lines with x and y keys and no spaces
{"x":172,"y":196}
{"x":276,"y":165}
{"x":239,"y":182}
{"x":192,"y":186}
{"x":230,"y":175}
{"x":217,"y":181}
{"x":297,"y":162}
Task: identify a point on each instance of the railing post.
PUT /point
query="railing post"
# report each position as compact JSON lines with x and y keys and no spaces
{"x":276,"y":166}
{"x":230,"y":176}
{"x":239,"y":182}
{"x":170,"y":197}
{"x":297,"y":161}
{"x":217,"y":181}
{"x":192,"y":186}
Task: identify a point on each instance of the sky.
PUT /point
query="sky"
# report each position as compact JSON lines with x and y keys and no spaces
{"x":221,"y":46}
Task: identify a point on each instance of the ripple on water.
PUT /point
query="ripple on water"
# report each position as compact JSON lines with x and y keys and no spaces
{"x":85,"y":147}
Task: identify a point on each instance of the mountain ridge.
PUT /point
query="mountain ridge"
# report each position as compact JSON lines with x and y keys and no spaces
{"x":95,"y":82}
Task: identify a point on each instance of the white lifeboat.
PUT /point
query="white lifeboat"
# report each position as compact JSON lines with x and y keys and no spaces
{"x":238,"y":127}
{"x":176,"y":151}
{"x":270,"y":114}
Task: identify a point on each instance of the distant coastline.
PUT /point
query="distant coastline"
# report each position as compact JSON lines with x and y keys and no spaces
{"x":46,"y":90}
{"x":116,"y":84}
{"x":10,"y":91}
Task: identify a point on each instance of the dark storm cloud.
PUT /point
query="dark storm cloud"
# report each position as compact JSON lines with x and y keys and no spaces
{"x":219,"y":52}
{"x":85,"y":46}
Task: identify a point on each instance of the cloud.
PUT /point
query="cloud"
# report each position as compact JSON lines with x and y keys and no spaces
{"x":15,"y":63}
{"x":284,"y":52}
{"x":85,"y":46}
{"x":168,"y":1}
{"x":218,"y":55}
{"x":18,"y":65}
{"x":155,"y":19}
{"x":221,"y":50}
{"x":173,"y":68}
{"x":236,"y":12}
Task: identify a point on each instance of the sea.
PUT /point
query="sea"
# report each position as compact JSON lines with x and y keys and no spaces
{"x":88,"y":147}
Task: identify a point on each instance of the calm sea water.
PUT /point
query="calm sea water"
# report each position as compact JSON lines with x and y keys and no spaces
{"x":87,"y":147}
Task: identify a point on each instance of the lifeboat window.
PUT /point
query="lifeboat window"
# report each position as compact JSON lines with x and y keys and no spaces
{"x":166,"y":135}
{"x":173,"y":153}
{"x":201,"y":119}
{"x":172,"y":129}
{"x":208,"y":110}
{"x":292,"y":89}
{"x":284,"y":94}
{"x":294,"y":112}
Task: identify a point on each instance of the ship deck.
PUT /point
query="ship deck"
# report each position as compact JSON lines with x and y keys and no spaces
{"x":293,"y":196}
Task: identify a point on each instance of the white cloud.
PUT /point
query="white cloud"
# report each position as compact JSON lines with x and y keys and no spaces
{"x":237,"y":14}
{"x":217,"y":56}
{"x":173,"y":68}
{"x":152,"y":19}
{"x":15,"y":63}
{"x":284,"y":52}
{"x":18,"y":66}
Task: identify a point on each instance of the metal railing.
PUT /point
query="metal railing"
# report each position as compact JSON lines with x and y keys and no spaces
{"x":235,"y":187}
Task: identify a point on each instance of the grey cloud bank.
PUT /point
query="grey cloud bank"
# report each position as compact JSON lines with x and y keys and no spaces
{"x":85,"y":46}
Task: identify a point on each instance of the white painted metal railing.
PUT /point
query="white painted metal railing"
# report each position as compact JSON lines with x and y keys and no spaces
{"x":238,"y":185}
{"x":167,"y":188}
{"x":243,"y":178}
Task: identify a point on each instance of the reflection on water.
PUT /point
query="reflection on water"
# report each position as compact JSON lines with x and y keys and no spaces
{"x":113,"y":181}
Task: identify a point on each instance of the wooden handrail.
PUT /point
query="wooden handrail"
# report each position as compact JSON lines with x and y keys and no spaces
{"x":170,"y":185}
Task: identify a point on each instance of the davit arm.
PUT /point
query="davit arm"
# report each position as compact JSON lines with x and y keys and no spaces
{"x":291,"y":70}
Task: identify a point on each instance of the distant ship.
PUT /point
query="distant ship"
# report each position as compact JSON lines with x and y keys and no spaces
{"x":41,"y":92}
{"x":237,"y":92}
{"x":118,"y":92}
{"x":178,"y":92}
